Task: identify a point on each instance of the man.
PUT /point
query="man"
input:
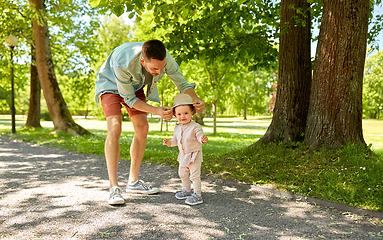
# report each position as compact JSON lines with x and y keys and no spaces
{"x":120,"y":81}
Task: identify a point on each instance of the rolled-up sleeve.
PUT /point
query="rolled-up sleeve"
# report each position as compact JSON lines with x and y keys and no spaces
{"x":124,"y":81}
{"x":172,"y":70}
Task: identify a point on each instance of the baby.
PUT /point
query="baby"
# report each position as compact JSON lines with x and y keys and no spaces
{"x":189,"y":137}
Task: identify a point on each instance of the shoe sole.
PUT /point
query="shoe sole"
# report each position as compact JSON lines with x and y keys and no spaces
{"x":181,"y":198}
{"x":194,"y":203}
{"x":147,"y":192}
{"x":116,"y":202}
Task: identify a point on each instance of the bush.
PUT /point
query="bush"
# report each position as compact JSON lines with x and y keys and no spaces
{"x":45,"y":116}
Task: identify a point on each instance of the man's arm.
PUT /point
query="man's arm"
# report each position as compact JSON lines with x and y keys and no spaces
{"x":197,"y":102}
{"x":172,"y":70}
{"x":164,"y":112}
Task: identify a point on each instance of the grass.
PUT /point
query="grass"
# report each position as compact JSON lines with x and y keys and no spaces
{"x":351,"y":176}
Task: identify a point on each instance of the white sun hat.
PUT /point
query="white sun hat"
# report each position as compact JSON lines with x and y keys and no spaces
{"x":182,"y":99}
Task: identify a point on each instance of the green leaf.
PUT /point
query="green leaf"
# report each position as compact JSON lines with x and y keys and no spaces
{"x":240,"y":2}
{"x":139,"y":4}
{"x":243,"y":53}
{"x":94,"y":3}
{"x":185,"y":13}
{"x":118,"y":10}
{"x":129,"y":7}
{"x":131,"y":15}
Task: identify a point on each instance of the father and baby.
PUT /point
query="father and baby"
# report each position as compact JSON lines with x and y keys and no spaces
{"x":120,"y":82}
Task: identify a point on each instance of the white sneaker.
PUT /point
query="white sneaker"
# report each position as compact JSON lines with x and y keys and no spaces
{"x":115,"y":196}
{"x":141,"y":187}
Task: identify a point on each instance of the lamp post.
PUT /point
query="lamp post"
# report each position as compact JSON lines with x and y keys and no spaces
{"x":11,"y":42}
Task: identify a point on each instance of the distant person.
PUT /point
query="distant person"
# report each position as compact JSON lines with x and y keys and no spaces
{"x":120,"y":82}
{"x":189,"y":137}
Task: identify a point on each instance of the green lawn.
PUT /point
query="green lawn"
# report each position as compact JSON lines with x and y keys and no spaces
{"x":350,"y":176}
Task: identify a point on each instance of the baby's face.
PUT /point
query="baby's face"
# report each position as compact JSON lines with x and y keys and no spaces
{"x":183,"y":114}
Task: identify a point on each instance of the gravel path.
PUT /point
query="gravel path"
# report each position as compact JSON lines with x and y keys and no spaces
{"x":55,"y":194}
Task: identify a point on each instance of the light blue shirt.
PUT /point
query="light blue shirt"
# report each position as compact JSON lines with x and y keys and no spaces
{"x":122,"y":74}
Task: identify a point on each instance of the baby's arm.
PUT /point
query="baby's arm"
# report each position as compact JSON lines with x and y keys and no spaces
{"x":201,"y":137}
{"x":204,"y":139}
{"x":166,"y":142}
{"x":172,"y":142}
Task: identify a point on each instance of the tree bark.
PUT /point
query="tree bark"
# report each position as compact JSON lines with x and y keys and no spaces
{"x":34,"y":111}
{"x":58,"y":110}
{"x":294,"y":76}
{"x":335,"y":113}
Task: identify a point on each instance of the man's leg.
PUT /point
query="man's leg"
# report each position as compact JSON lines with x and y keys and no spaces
{"x":137,"y":148}
{"x":112,"y":155}
{"x":112,"y":147}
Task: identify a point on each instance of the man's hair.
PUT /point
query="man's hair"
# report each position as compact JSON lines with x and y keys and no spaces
{"x":153,"y":49}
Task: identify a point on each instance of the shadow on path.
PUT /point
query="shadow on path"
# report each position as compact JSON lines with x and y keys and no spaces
{"x":55,"y":194}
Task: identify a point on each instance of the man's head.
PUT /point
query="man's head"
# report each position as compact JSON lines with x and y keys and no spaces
{"x":153,"y":57}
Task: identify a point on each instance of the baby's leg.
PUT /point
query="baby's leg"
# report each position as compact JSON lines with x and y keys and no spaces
{"x":183,"y":172}
{"x":195,"y":176}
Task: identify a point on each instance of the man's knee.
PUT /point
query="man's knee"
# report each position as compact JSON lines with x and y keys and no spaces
{"x":114,"y":126}
{"x":140,"y":124}
{"x":142,"y":127}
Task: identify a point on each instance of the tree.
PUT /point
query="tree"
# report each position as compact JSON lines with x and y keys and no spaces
{"x":216,"y":72}
{"x":34,"y":110}
{"x":294,"y":74}
{"x":373,"y":86}
{"x":72,"y":42}
{"x":113,"y":33}
{"x":335,"y":112}
{"x":218,"y":36}
{"x":239,"y":31}
{"x":60,"y":115}
{"x":248,"y":92}
{"x":14,"y":22}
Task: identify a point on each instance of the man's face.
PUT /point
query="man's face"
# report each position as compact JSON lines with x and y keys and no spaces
{"x":153,"y":66}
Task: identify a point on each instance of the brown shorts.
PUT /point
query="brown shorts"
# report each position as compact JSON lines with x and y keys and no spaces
{"x":112,"y":104}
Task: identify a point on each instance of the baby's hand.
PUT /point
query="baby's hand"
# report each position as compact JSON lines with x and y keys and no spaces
{"x":204,"y":139}
{"x":166,"y":142}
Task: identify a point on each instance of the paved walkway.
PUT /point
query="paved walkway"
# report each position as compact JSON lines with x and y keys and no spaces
{"x":54,"y":194}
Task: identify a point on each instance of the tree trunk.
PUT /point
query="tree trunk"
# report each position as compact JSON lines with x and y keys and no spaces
{"x":198,"y":118}
{"x":34,"y":111}
{"x":58,"y":110}
{"x":245,"y":108}
{"x":294,"y":80}
{"x":214,"y":105}
{"x":335,"y":113}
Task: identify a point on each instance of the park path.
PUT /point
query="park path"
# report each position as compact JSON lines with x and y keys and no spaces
{"x":56,"y":194}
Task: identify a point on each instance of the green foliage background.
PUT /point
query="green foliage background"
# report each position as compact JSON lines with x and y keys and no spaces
{"x":216,"y":59}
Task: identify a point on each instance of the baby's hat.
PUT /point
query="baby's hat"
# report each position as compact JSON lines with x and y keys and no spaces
{"x":182,"y":99}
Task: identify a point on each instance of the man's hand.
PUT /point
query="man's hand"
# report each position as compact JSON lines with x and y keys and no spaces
{"x":166,"y":113}
{"x":166,"y":142}
{"x":199,"y":105}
